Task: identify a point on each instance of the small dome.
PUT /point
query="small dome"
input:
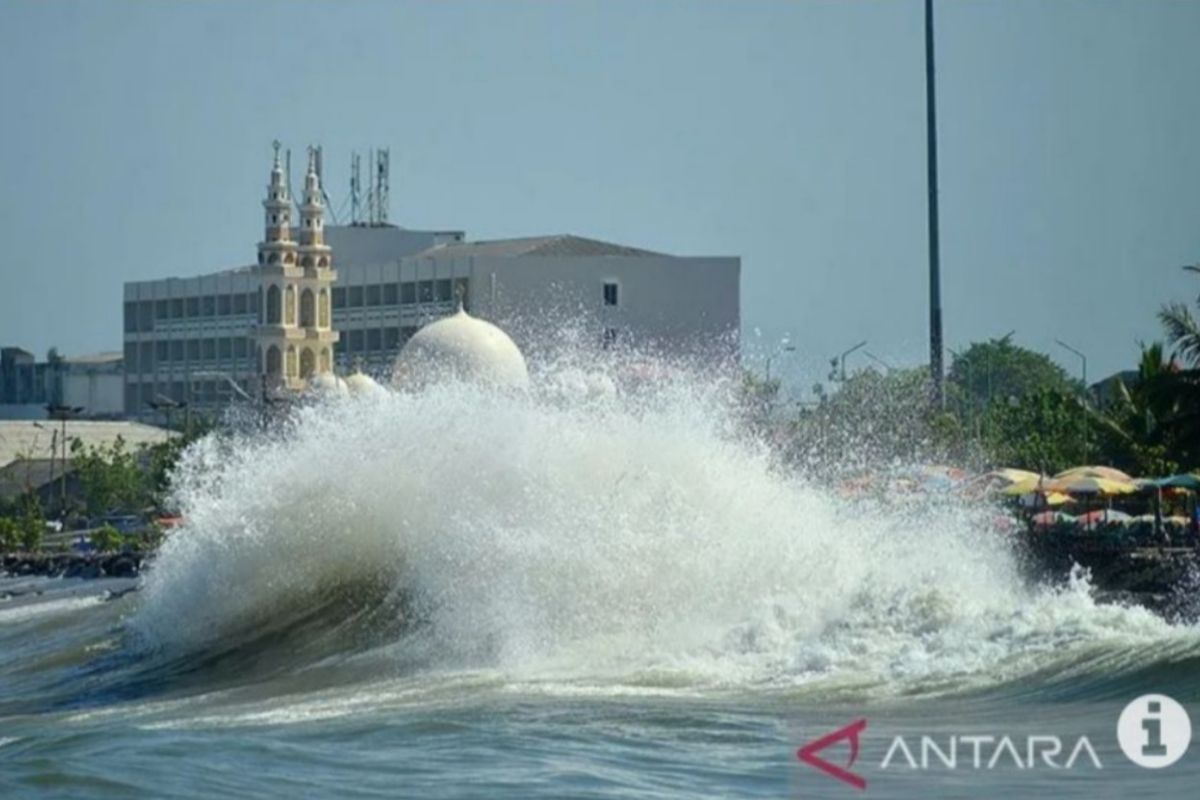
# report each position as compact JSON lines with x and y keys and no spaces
{"x":361,"y":385}
{"x":327,"y":385}
{"x":461,"y":347}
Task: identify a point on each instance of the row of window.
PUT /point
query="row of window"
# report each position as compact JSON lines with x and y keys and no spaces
{"x":406,"y":293}
{"x":140,"y":396}
{"x":142,"y":357}
{"x":288,"y":257}
{"x":375,"y":339}
{"x":140,"y":316}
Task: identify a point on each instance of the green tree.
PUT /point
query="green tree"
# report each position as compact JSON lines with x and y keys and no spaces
{"x":1135,"y":427}
{"x":1183,"y":333}
{"x":32,"y":523}
{"x":1183,"y":330}
{"x":876,"y":418}
{"x":1045,"y":430}
{"x":10,"y":534}
{"x":106,"y":539}
{"x":110,"y":476}
{"x":998,"y":369}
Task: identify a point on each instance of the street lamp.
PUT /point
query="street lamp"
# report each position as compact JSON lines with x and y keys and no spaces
{"x":841,"y":360}
{"x":1083,"y":361}
{"x":166,"y":405}
{"x":62,"y":413}
{"x":878,"y":360}
{"x":783,"y":348}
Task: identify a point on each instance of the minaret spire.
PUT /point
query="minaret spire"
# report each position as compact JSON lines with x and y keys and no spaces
{"x":294,"y":337}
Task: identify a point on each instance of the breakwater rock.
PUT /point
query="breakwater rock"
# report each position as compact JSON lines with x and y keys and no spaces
{"x":73,"y":565}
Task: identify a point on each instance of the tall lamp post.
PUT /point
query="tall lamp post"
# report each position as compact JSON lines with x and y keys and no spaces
{"x":935,"y":276}
{"x":839,"y":363}
{"x":62,"y":413}
{"x":1086,"y":394}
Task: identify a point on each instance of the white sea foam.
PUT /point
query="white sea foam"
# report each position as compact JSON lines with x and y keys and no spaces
{"x":583,"y":537}
{"x":45,"y":608}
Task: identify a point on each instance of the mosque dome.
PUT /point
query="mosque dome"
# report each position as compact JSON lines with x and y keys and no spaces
{"x":461,"y":347}
{"x":327,"y":384}
{"x":361,"y":385}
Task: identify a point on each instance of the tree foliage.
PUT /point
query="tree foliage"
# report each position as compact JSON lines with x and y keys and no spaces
{"x":1046,"y":430}
{"x":998,"y":370}
{"x":111,"y":477}
{"x":106,"y":539}
{"x":875,"y":418}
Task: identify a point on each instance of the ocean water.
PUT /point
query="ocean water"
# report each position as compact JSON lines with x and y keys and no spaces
{"x":568,"y":594}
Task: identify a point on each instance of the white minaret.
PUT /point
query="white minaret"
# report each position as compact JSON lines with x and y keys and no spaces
{"x":295,"y":335}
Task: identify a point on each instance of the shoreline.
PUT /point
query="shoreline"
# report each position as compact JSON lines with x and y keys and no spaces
{"x":73,"y":565}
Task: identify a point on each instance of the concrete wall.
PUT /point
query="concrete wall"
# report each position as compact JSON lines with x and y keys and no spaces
{"x":100,"y":392}
{"x":674,"y":305}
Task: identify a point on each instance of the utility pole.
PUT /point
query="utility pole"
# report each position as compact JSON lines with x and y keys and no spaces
{"x":935,"y":275}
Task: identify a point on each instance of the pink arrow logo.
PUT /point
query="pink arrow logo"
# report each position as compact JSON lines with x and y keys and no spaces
{"x":808,"y":754}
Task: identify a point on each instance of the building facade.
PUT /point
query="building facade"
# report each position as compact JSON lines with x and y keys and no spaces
{"x":91,"y":383}
{"x":209,"y":339}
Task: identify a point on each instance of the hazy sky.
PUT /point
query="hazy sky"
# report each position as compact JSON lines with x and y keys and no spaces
{"x":136,"y":144}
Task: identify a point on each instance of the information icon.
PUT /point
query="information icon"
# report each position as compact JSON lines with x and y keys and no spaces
{"x":1154,"y":731}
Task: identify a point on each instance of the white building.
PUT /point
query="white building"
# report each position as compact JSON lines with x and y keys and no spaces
{"x":204,"y":339}
{"x":93,"y":384}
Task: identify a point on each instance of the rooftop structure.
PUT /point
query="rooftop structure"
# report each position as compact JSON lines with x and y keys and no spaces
{"x":205,"y":340}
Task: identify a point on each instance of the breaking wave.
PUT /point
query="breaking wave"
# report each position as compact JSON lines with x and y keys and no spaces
{"x":576,"y":538}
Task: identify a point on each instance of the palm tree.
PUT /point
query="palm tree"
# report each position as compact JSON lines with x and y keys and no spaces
{"x":1183,"y":330}
{"x":1137,"y":426}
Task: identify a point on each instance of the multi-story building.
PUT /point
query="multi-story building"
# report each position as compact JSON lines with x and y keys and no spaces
{"x":89,"y":386}
{"x":206,"y":339}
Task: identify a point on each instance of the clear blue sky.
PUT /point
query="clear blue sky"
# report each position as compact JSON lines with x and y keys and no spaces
{"x":137,"y":141}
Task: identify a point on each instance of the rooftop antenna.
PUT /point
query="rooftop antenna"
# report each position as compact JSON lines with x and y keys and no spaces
{"x":355,"y":189}
{"x":320,"y":166}
{"x":382,"y":167}
{"x":371,"y":198}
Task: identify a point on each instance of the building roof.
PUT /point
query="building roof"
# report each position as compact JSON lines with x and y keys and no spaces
{"x":95,"y":358}
{"x":25,"y":474}
{"x":563,"y":244}
{"x":36,"y":439}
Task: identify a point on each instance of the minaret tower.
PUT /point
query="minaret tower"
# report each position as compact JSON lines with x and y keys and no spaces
{"x":295,"y":335}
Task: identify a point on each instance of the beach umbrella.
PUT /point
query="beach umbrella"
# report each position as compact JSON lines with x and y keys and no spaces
{"x":1036,"y":499}
{"x":1090,"y":485}
{"x":1024,"y":486}
{"x":1107,"y":473}
{"x":1187,"y":480}
{"x":1009,"y":476}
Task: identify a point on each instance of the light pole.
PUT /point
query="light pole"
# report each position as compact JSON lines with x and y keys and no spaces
{"x":783,"y":348}
{"x":935,"y":274}
{"x":1086,"y":404}
{"x":840,"y":362}
{"x":878,"y":360}
{"x":62,"y":413}
{"x":1082,"y":359}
